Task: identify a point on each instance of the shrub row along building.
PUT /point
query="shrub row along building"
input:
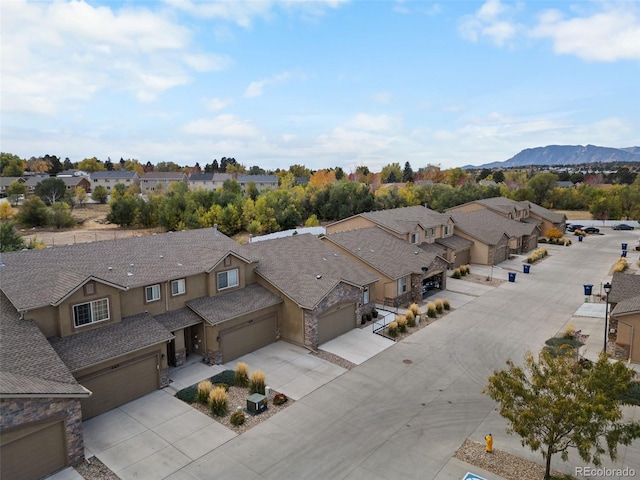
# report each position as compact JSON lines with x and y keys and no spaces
{"x":88,"y":327}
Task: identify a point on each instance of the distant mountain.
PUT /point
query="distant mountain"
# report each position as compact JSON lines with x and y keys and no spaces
{"x":567,"y":155}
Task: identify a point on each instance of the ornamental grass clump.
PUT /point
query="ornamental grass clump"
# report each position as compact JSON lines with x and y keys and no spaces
{"x":401,"y":320}
{"x":445,"y":304}
{"x":257,"y":382}
{"x":456,"y":273}
{"x":218,"y":398}
{"x":431,"y":310}
{"x":415,"y":309}
{"x":237,"y":418}
{"x":204,"y":388}
{"x":439,"y":306}
{"x":465,"y":270}
{"x":392,"y":329}
{"x":411,"y":319}
{"x":241,"y":375}
{"x":621,"y":265}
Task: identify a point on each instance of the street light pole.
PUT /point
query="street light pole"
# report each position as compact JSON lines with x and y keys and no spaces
{"x":607,"y":289}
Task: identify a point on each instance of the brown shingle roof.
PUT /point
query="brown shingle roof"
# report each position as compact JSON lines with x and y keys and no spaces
{"x":386,"y":253}
{"x":488,"y":226}
{"x":233,"y":304}
{"x":305,"y":269}
{"x":36,"y":278}
{"x":404,"y":220}
{"x":628,"y":305}
{"x":455,"y":242}
{"x":28,"y":363}
{"x":624,"y":286}
{"x":178,"y":319}
{"x":99,"y":345}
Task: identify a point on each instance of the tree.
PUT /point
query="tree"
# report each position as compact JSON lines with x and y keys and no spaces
{"x":91,"y":165}
{"x":322,"y":178}
{"x":498,"y":176}
{"x":123,"y":211}
{"x":15,"y":191}
{"x":557,"y":403}
{"x":12,"y":165}
{"x":33,"y":213}
{"x":252,"y":190}
{"x":407,"y":173}
{"x":51,"y":190}
{"x":391,"y":173}
{"x":61,"y":215}
{"x":10,"y":241}
{"x":6,"y":211}
{"x":81,"y":196}
{"x":541,"y":184}
{"x":100,"y":194}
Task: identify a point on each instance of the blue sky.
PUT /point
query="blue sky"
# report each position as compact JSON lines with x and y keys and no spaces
{"x":323,"y":84}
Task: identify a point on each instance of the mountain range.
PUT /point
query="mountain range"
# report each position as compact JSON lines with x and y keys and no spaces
{"x":566,"y":155}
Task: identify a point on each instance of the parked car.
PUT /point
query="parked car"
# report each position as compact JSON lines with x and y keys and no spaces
{"x":622,"y":226}
{"x":573,"y":227}
{"x":591,"y":230}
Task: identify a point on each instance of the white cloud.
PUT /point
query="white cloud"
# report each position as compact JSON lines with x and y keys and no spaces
{"x":493,"y":20}
{"x":222,"y":126}
{"x":207,"y":62}
{"x":217,"y":104}
{"x":605,"y":36}
{"x":256,"y":88}
{"x":373,"y":123}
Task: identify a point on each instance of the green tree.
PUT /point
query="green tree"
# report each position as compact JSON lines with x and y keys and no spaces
{"x":91,"y":165}
{"x":557,"y":403}
{"x":541,"y":184}
{"x":15,"y":191}
{"x":99,"y":194}
{"x":81,"y":196}
{"x":33,"y":213}
{"x":407,"y":173}
{"x":51,"y":190}
{"x":10,"y":241}
{"x":12,"y":165}
{"x":61,"y":215}
{"x":118,"y":190}
{"x":252,"y":190}
{"x":123,"y":211}
{"x":391,"y":173}
{"x":498,"y":176}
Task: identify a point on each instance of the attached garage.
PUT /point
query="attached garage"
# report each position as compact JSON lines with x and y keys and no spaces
{"x":247,"y":337}
{"x":33,"y":451}
{"x":336,"y":322}
{"x":119,"y":384}
{"x":462,"y":258}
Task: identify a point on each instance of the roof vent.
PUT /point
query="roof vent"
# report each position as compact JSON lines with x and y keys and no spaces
{"x":318,"y":277}
{"x":161,"y":256}
{"x":109,"y":268}
{"x":416,"y":252}
{"x":324,"y":258}
{"x":179,"y":264}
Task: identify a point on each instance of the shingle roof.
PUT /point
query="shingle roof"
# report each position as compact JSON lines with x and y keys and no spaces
{"x":6,"y":181}
{"x":178,"y":319}
{"x":35,"y":278}
{"x":547,"y":214}
{"x":233,"y":304}
{"x":164,"y":176}
{"x":455,"y":242}
{"x":389,"y":255}
{"x":624,"y":286}
{"x":305,"y":269}
{"x":404,"y":220}
{"x":28,"y":363}
{"x":507,"y":205}
{"x":488,"y":226}
{"x":629,"y":305}
{"x":99,"y":345}
{"x":201,"y":177}
{"x":72,"y":181}
{"x":257,"y":179}
{"x":111,"y":174}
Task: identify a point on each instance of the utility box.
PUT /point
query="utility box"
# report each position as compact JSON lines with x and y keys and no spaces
{"x":256,"y":403}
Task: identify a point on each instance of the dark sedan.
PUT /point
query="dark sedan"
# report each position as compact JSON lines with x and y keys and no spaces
{"x":591,"y":230}
{"x":572,"y":228}
{"x":622,"y":226}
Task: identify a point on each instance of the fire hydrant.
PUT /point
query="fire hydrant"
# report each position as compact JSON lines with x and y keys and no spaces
{"x":489,"y":440}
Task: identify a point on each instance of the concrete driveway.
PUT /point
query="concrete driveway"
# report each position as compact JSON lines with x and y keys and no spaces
{"x":400,"y":414}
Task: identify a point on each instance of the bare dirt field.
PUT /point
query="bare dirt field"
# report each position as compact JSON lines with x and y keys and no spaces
{"x":576,"y":214}
{"x":92,"y":227}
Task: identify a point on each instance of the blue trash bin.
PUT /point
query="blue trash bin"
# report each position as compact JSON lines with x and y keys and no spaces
{"x":624,"y":246}
{"x":512,"y":277}
{"x":526,"y":268}
{"x":587,"y":290}
{"x":580,"y":237}
{"x":624,"y":253}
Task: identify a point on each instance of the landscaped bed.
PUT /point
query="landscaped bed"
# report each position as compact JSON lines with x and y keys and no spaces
{"x":236,"y":396}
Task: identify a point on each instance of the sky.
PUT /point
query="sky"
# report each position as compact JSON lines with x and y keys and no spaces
{"x":321,"y":84}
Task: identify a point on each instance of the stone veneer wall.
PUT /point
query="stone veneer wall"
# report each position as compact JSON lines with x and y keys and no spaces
{"x":343,"y":293}
{"x":16,"y":412}
{"x":181,"y":357}
{"x":164,"y":377}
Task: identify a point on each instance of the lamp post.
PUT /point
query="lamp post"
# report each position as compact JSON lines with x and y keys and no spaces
{"x":607,"y":290}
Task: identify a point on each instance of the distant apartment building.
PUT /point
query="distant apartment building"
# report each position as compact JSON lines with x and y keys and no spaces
{"x":108,"y":179}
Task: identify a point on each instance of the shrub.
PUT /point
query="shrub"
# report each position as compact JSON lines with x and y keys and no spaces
{"x":439,"y":306}
{"x":226,"y":376}
{"x":456,"y":273}
{"x":465,"y":270}
{"x":374,"y":313}
{"x":567,"y":242}
{"x":392,"y":329}
{"x":188,"y":395}
{"x":415,"y":309}
{"x":237,"y":418}
{"x":621,"y":265}
{"x":569,"y":331}
{"x":554,"y":234}
{"x":221,"y":385}
{"x":431,"y":310}
{"x":411,"y":319}
{"x":279,"y":398}
{"x":241,"y":375}
{"x":257,"y":382}
{"x":204,"y":389}
{"x":401,"y":320}
{"x":218,"y":402}
{"x":446,"y":304}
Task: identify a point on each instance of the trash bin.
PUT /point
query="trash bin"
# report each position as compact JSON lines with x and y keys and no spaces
{"x":580,"y":237}
{"x":587,"y":290}
{"x":526,"y":268}
{"x":512,"y":276}
{"x":624,"y":253}
{"x":624,"y":246}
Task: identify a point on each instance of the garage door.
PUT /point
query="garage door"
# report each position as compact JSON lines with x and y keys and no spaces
{"x":462,"y":258}
{"x":337,"y":322}
{"x":34,"y":451}
{"x":248,"y":337}
{"x":120,"y":385}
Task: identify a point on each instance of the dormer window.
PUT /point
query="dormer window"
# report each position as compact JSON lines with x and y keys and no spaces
{"x":91,"y":312}
{"x":415,"y":238}
{"x":448,"y":230}
{"x":228,"y":279}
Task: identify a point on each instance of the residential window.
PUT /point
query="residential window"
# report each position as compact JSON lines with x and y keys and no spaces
{"x":365,"y":295}
{"x":152,"y":293}
{"x":91,"y":312}
{"x":228,"y":279}
{"x":415,"y":238}
{"x":402,"y":285}
{"x":178,"y":287}
{"x":447,"y":229}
